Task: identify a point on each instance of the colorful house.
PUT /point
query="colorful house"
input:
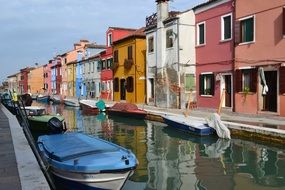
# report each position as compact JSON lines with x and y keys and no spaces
{"x":36,"y":80}
{"x":64,"y":82}
{"x":56,"y":75}
{"x":112,"y":34}
{"x":53,"y":76}
{"x":13,"y":82}
{"x":170,"y":57}
{"x":23,"y":82}
{"x":71,"y":61}
{"x":129,"y":68}
{"x":87,"y":72}
{"x":214,"y":53}
{"x":259,"y":57}
{"x":47,"y":77}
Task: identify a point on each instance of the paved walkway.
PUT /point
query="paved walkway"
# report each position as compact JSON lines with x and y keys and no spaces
{"x":9,"y":175}
{"x":19,"y":168}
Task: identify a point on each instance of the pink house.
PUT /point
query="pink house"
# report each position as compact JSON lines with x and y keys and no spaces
{"x":260,"y":57}
{"x":214,"y":53}
{"x":47,"y":77}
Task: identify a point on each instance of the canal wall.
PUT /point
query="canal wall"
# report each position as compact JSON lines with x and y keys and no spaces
{"x":30,"y":174}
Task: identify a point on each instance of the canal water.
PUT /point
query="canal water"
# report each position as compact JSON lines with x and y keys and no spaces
{"x":170,"y":159}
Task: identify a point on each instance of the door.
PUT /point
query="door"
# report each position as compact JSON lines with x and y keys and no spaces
{"x":228,"y":90}
{"x":270,"y":99}
{"x":123,"y":89}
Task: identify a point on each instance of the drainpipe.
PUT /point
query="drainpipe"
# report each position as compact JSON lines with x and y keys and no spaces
{"x":233,"y":63}
{"x":178,"y":65}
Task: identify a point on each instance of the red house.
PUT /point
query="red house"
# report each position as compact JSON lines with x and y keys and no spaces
{"x":112,"y":34}
{"x":58,"y":74}
{"x":214,"y":53}
{"x":23,"y":83}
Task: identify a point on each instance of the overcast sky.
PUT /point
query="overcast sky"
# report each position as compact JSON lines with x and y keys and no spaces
{"x":33,"y":31}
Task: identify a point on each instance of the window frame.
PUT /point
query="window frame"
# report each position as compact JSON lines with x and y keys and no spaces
{"x":109,"y":39}
{"x":130,"y":52}
{"x":116,"y":85}
{"x":169,"y":37}
{"x":254,"y":29}
{"x":223,"y":27}
{"x":116,"y":56}
{"x":198,"y":33}
{"x":212,"y":84}
{"x":130,"y":84}
{"x":150,"y":45}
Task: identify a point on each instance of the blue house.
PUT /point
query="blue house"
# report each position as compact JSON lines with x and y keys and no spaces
{"x":53,"y":76}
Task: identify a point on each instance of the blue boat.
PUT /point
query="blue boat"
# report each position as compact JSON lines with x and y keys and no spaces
{"x":44,"y":99}
{"x":87,"y":162}
{"x":188,"y":124}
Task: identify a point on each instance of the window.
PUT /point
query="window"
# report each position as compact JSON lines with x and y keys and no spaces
{"x":246,"y":80}
{"x":99,"y":65}
{"x":89,"y":67}
{"x":150,"y":44}
{"x":169,"y":38}
{"x":109,"y":40}
{"x":109,"y":63}
{"x":116,"y":84}
{"x":116,"y":56}
{"x":282,"y":80}
{"x":226,"y":27}
{"x":104,"y":66}
{"x":130,"y":52}
{"x":189,"y":82}
{"x":247,"y":30}
{"x":130,"y":84}
{"x":207,"y":84}
{"x":93,"y":65}
{"x":201,"y":33}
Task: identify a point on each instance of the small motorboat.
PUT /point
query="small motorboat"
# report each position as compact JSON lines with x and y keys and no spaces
{"x":43,"y":98}
{"x":85,"y":162}
{"x":188,"y":124}
{"x":38,"y":119}
{"x":71,"y":102}
{"x":56,"y":99}
{"x":127,"y":110}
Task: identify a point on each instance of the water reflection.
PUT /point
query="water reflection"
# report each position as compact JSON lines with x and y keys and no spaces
{"x":169,"y":159}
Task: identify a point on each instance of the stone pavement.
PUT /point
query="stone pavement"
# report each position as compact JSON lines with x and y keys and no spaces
{"x":19,"y":167}
{"x":9,"y":175}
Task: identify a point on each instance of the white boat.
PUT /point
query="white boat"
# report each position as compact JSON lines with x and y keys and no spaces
{"x":71,"y":102}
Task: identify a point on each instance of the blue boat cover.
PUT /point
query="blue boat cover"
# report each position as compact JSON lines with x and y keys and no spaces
{"x":63,"y":147}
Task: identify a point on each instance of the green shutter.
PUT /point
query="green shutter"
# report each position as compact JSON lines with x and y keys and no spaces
{"x":201,"y":84}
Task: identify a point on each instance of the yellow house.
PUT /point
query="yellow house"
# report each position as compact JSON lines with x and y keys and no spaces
{"x":129,"y":54}
{"x":71,"y":78}
{"x":36,"y":80}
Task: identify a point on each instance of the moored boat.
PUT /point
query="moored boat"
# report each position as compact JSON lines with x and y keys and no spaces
{"x":87,"y":162}
{"x":92,"y":106}
{"x":127,"y":110}
{"x":39,"y":123}
{"x":71,"y":102}
{"x":56,"y":99}
{"x":43,"y":98}
{"x":188,"y":124}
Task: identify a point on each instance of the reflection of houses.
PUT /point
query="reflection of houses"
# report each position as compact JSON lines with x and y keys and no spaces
{"x":170,"y":56}
{"x":112,"y":34}
{"x":259,"y":55}
{"x":36,"y":80}
{"x":214,"y":38}
{"x":129,"y":67}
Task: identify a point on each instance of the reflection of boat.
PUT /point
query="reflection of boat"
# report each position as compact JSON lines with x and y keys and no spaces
{"x":43,"y":98}
{"x":127,"y":110}
{"x":71,"y":102}
{"x":87,"y":162}
{"x":130,"y":121}
{"x":188,"y":124}
{"x":173,"y":133}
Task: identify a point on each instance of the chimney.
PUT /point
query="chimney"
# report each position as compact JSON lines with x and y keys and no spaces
{"x":162,"y":10}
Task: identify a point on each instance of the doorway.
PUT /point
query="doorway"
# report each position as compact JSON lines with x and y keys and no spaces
{"x":270,"y":98}
{"x":227,"y":85}
{"x":123,"y":89}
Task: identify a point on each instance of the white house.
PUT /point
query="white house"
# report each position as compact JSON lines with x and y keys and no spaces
{"x":170,"y":57}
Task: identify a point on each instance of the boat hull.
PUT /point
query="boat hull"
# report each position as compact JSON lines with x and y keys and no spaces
{"x":44,"y":99}
{"x":88,"y":109}
{"x":91,"y":180}
{"x":40,"y":126}
{"x":71,"y":103}
{"x":201,"y":131}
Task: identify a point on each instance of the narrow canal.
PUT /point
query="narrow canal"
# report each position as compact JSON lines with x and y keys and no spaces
{"x":169,"y":159}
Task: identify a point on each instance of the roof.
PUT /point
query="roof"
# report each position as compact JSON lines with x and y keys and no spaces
{"x":139,"y":33}
{"x":121,"y":28}
{"x":72,"y":62}
{"x":13,"y":75}
{"x":95,"y":46}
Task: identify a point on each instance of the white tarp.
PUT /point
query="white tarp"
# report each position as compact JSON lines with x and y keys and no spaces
{"x":214,"y":121}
